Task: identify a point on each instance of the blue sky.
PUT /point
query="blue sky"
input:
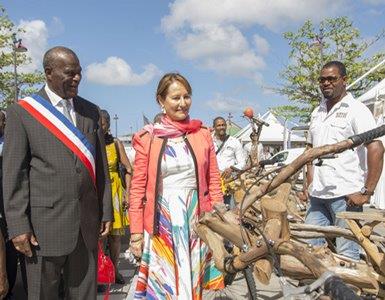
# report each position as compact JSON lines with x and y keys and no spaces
{"x":230,"y":50}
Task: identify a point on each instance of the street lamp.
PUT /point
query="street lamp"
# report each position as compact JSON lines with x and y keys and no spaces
{"x":17,"y":48}
{"x":116,"y":118}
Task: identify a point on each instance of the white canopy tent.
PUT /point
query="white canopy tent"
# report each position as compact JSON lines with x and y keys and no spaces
{"x":376,"y":93}
{"x":374,"y":99}
{"x":272,"y":134}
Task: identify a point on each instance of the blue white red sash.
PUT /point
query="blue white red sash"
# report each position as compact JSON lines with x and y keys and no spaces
{"x":52,"y":119}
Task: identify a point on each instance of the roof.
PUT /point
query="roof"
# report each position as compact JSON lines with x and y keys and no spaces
{"x":272,"y":133}
{"x":232,"y":128}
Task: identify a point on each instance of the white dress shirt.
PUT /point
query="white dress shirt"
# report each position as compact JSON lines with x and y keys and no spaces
{"x":56,"y":102}
{"x":231,"y":154}
{"x":249,"y":147}
{"x":346,"y":173}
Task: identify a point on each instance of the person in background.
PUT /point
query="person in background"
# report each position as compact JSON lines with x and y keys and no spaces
{"x":252,"y":151}
{"x":3,"y":269}
{"x":229,"y":151}
{"x":346,"y":182}
{"x":6,"y":269}
{"x":175,"y":178}
{"x":57,"y":194}
{"x":265,"y":153}
{"x":116,"y":155}
{"x":2,"y":127}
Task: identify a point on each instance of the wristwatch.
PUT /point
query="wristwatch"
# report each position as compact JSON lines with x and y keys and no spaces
{"x":365,"y":191}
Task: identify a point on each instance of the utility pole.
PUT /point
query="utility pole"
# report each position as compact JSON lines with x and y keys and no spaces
{"x":116,"y":118}
{"x":229,"y":117}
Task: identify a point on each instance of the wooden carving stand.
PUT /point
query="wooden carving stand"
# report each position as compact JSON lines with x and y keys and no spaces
{"x":259,"y":227}
{"x":297,"y":259}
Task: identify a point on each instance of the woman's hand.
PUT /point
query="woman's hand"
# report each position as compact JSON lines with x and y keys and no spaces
{"x":136,"y":245}
{"x":124,"y":205}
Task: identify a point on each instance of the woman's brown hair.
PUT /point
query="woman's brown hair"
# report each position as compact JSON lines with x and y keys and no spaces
{"x":167,"y":80}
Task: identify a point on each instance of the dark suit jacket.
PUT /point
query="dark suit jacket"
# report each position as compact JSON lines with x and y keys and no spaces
{"x":47,"y":189}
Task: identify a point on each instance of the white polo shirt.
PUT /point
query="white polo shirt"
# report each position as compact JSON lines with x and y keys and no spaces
{"x":345,"y":174}
{"x":231,"y":154}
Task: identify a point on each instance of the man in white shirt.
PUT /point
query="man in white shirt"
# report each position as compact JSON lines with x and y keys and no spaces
{"x":228,"y":149}
{"x":346,"y":182}
{"x":250,"y":150}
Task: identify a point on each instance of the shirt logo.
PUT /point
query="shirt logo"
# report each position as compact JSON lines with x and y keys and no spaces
{"x":341,"y":114}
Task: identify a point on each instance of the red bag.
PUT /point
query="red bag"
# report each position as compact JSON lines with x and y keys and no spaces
{"x":106,"y":269}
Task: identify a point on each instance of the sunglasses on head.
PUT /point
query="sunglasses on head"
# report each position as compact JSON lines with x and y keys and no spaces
{"x":330,"y":79}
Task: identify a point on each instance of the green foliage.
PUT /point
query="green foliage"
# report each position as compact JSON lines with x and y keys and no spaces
{"x":311,"y":48}
{"x":289,"y":112}
{"x":26,"y":81}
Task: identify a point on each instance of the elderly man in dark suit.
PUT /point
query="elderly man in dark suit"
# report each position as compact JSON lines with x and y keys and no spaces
{"x":57,"y":194}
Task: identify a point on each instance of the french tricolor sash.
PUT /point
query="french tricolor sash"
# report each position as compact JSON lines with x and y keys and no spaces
{"x":62,"y":128}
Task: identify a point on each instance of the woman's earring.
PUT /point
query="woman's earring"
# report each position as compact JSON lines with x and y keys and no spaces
{"x":163,"y":109}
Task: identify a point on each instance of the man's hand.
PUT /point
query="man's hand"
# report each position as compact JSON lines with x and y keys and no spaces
{"x":357,"y":199}
{"x":226,"y":173}
{"x":23,"y":243}
{"x":3,"y":284}
{"x":303,"y":196}
{"x":105,"y":229}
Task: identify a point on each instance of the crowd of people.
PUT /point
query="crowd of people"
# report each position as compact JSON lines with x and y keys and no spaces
{"x":67,"y":184}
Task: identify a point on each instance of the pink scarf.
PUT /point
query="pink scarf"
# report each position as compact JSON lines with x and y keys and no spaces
{"x":172,"y":129}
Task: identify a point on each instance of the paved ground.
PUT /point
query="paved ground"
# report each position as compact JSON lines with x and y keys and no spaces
{"x":119,"y":292}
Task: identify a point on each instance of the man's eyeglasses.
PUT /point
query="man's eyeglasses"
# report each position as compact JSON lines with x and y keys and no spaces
{"x":330,"y":79}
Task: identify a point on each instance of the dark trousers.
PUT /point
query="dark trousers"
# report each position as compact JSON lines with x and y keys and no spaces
{"x":11,"y":263}
{"x":227,"y":199}
{"x":78,"y":269}
{"x":12,"y":259}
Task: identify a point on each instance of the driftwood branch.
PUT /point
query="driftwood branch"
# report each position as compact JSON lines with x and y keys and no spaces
{"x":314,"y":231}
{"x":371,"y":249}
{"x":261,"y":230}
{"x":257,"y":192}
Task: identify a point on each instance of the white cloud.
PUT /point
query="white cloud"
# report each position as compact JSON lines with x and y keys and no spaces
{"x":222,"y":49}
{"x":116,"y":71}
{"x":35,"y":38}
{"x":225,"y":104}
{"x":35,"y":35}
{"x":274,"y":15}
{"x":245,"y":64}
{"x":261,"y":44}
{"x":212,"y":33}
{"x":211,"y":40}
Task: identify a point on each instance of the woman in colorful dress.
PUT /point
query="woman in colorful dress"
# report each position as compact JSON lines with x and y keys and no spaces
{"x":176,"y":177}
{"x":116,"y":154}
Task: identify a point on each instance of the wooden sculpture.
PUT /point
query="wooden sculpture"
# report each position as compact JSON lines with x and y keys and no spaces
{"x":268,"y":233}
